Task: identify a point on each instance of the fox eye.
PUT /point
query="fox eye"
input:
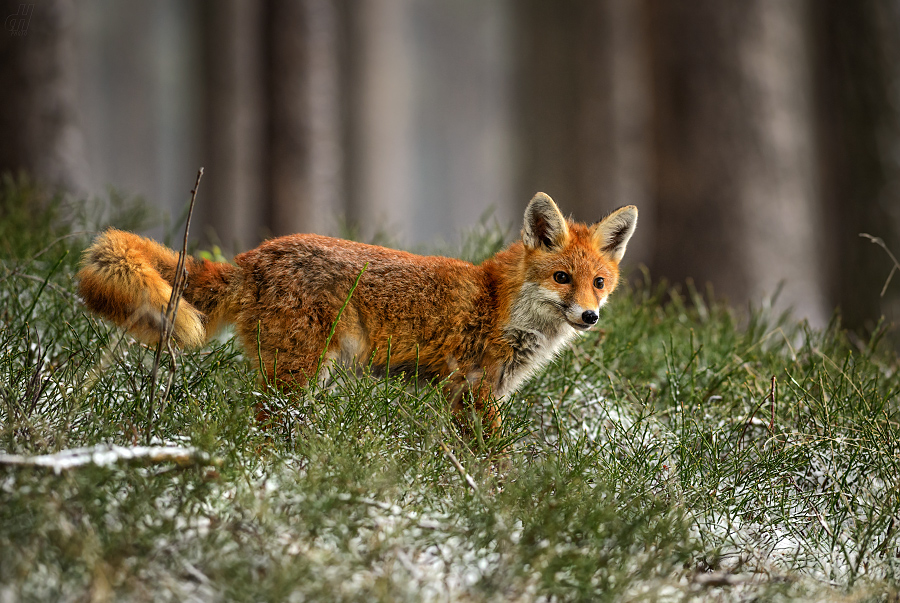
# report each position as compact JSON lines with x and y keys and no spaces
{"x":598,"y":282}
{"x":561,"y":277}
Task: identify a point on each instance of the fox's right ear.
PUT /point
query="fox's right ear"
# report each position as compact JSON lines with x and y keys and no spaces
{"x":544,"y":224}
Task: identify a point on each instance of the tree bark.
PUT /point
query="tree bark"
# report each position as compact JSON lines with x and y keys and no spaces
{"x":303,"y":109}
{"x":856,"y":49}
{"x":233,"y":122}
{"x":41,"y":133}
{"x":582,"y":109}
{"x":382,"y":108}
{"x":735,"y":173}
{"x":287,"y":112}
{"x":564,"y":104}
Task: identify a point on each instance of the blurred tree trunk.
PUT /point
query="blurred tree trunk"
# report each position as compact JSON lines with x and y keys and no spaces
{"x":288,"y":120}
{"x":856,"y":48}
{"x":351,"y":28}
{"x":382,"y":110}
{"x":273,"y":117}
{"x":41,"y":134}
{"x":582,"y":108}
{"x":735,"y":172}
{"x":233,"y":121}
{"x":563,"y":84}
{"x":303,"y":112}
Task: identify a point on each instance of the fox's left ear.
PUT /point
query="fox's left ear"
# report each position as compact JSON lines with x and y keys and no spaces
{"x":611,"y":234}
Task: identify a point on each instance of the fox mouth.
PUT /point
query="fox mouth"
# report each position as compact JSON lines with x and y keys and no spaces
{"x":577,"y":325}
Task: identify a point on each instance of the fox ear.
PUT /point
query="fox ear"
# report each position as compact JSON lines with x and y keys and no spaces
{"x":544,"y":224}
{"x":612,"y":233}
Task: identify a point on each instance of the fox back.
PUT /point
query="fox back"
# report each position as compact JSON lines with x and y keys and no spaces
{"x":304,"y":302}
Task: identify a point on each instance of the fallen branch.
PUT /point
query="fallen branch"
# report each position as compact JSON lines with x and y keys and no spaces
{"x":104,"y":455}
{"x":168,"y":324}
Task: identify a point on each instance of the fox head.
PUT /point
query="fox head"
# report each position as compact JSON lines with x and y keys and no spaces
{"x":571,"y":268}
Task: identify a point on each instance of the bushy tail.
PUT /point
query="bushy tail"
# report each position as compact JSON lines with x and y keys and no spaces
{"x":128,"y":279}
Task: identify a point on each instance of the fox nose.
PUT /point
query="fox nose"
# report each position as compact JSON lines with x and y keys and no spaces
{"x":590,"y":317}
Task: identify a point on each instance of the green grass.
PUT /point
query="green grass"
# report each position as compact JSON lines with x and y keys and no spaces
{"x":649,"y":462}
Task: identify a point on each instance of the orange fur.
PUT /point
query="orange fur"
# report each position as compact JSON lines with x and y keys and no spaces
{"x":483,"y":329}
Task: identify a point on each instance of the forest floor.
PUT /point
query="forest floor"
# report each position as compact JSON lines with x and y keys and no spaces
{"x":685,"y":451}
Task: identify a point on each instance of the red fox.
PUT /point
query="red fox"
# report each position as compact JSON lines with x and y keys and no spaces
{"x":481,"y":329}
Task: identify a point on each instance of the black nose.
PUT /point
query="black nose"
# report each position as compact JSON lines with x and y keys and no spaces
{"x":589,"y":316}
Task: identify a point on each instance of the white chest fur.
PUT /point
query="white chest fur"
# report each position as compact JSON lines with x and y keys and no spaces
{"x":537,"y":332}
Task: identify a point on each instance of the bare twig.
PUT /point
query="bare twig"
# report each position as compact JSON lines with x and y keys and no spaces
{"x":64,"y":292}
{"x":168,"y":325}
{"x":42,"y":287}
{"x":772,"y":399}
{"x":878,"y":241}
{"x":15,"y":272}
{"x":174,"y":358}
{"x":468,"y":478}
{"x":753,"y":420}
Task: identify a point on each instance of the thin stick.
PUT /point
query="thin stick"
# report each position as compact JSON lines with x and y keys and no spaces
{"x":38,"y":279}
{"x":878,"y":241}
{"x":468,"y":478}
{"x":772,"y":398}
{"x":168,"y":325}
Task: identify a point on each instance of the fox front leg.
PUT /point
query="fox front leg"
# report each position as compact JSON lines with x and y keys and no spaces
{"x":472,"y":403}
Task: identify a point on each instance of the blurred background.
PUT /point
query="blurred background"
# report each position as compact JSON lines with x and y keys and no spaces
{"x":758,"y":138}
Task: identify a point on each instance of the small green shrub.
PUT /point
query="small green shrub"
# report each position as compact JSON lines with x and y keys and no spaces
{"x":651,"y":461}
